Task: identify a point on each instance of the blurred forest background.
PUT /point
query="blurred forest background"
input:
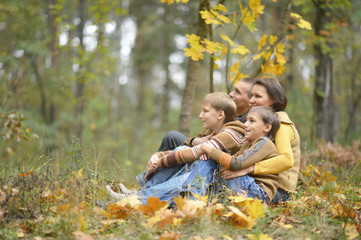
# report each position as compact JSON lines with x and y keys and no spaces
{"x":109,"y":76}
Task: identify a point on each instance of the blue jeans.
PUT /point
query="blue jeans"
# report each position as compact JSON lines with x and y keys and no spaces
{"x":167,"y":183}
{"x":281,"y":196}
{"x":247,"y":184}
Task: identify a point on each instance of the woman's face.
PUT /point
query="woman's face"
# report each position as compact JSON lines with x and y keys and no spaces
{"x":260,"y":97}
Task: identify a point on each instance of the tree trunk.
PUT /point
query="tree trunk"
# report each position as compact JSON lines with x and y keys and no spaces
{"x":353,"y":102}
{"x":41,"y":87}
{"x":323,"y":92}
{"x":116,"y":90}
{"x":79,"y":92}
{"x":165,"y":51}
{"x":53,"y":45}
{"x":193,"y":72}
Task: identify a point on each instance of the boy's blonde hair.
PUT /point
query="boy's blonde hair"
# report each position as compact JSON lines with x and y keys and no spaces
{"x":222,"y":102}
{"x":270,"y":116}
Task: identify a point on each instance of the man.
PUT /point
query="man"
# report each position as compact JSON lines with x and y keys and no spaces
{"x":241,"y":95}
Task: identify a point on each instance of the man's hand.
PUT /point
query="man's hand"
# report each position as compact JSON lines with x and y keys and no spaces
{"x":197,"y":141}
{"x":228,"y":174}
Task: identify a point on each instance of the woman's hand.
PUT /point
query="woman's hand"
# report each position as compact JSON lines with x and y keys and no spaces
{"x":228,"y":174}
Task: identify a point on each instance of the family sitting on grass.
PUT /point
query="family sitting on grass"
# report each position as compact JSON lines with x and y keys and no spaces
{"x":248,"y":139}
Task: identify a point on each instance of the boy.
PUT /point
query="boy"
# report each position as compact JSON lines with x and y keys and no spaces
{"x":217,"y":109}
{"x":261,"y":127}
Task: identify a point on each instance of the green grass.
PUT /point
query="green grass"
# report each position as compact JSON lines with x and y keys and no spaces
{"x":58,"y":198}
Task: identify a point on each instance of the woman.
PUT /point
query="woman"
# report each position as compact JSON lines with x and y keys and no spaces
{"x":269,"y":92}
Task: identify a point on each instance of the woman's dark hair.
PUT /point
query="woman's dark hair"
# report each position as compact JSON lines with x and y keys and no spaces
{"x":275,"y":92}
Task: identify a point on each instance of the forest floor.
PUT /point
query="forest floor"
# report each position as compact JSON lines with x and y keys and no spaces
{"x":48,"y":204}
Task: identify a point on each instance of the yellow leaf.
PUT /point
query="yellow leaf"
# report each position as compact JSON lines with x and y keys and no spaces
{"x":258,"y":237}
{"x":154,"y":204}
{"x":254,"y":209}
{"x":226,"y":237}
{"x":239,"y":219}
{"x":280,"y":47}
{"x":82,"y":223}
{"x":280,"y":58}
{"x":239,"y":200}
{"x":234,"y":15}
{"x":79,"y":235}
{"x":304,"y":24}
{"x":262,"y":41}
{"x":193,"y":208}
{"x":212,"y":47}
{"x":202,"y":198}
{"x":295,"y":16}
{"x":78,"y":174}
{"x":240,"y":49}
{"x":272,"y":39}
{"x":300,"y":21}
{"x":287,"y":226}
{"x":257,"y":56}
{"x":256,"y":7}
{"x":167,"y":1}
{"x":20,"y":235}
{"x":170,"y":236}
{"x":227,"y":39}
{"x":208,"y":17}
{"x":200,"y":238}
{"x":124,"y":207}
{"x":247,"y":17}
{"x":193,"y":54}
{"x":351,"y":231}
{"x":220,"y":8}
{"x":223,"y":18}
{"x":217,"y":209}
{"x":163,"y":218}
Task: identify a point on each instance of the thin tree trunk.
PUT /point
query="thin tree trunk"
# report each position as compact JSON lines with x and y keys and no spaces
{"x":323,"y":92}
{"x":354,"y":101}
{"x":193,"y":71}
{"x":40,"y":82}
{"x":53,"y":45}
{"x":116,"y":90}
{"x":79,"y":92}
{"x":165,"y":50}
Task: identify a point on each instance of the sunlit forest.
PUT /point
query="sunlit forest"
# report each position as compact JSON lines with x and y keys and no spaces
{"x":89,"y":88}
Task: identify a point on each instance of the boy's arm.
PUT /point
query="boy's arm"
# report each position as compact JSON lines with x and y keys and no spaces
{"x":284,"y":160}
{"x":227,"y":140}
{"x":262,"y":149}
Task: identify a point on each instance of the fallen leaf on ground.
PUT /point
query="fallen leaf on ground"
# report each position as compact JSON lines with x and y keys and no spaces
{"x":170,"y":236}
{"x":79,"y":235}
{"x":239,"y":219}
{"x":154,"y":204}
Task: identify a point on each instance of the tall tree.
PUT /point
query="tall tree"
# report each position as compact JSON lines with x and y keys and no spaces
{"x":80,"y":79}
{"x":323,"y":91}
{"x":193,"y":73}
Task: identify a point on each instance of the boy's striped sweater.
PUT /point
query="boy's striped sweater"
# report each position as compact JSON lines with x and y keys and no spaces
{"x":229,"y":139}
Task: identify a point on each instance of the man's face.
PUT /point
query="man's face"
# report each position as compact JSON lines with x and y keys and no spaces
{"x":240,"y":97}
